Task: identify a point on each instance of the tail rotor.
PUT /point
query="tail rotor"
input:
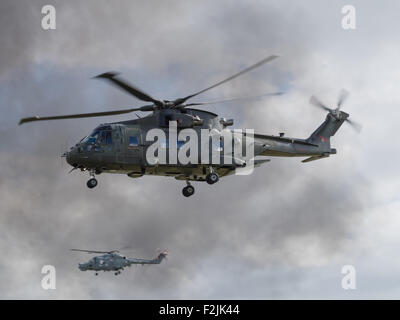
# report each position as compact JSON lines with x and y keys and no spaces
{"x":162,"y":254}
{"x":337,"y":113}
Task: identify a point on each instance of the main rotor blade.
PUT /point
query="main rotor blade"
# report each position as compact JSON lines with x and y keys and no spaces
{"x":342,"y":97}
{"x":87,"y":115}
{"x":90,"y":251}
{"x":314,"y":101}
{"x":270,"y":58}
{"x":122,"y":84}
{"x":235,"y":99}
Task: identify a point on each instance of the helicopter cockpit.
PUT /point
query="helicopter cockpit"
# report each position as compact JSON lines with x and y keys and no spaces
{"x":98,"y":139}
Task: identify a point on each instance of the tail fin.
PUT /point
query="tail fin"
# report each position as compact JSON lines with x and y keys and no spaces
{"x":161,"y":256}
{"x":327,"y":129}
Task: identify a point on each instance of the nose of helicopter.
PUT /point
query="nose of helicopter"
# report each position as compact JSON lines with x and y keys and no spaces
{"x":70,"y":156}
{"x":83,"y":266}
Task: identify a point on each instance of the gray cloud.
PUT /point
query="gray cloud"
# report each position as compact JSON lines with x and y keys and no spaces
{"x":262,"y":230}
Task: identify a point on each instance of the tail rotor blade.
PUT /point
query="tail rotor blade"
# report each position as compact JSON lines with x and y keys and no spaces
{"x":342,"y":98}
{"x":316,"y":102}
{"x":355,"y":125}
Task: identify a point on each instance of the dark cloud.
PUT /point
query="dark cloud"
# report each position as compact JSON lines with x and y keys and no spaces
{"x":248,"y":227}
{"x":16,"y":40}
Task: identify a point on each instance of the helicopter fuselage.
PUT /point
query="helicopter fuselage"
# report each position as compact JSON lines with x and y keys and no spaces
{"x":122,"y":147}
{"x":112,"y":261}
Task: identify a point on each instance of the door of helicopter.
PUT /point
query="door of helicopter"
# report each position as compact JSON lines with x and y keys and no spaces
{"x":105,"y":141}
{"x":118,"y":142}
{"x":133,"y":145}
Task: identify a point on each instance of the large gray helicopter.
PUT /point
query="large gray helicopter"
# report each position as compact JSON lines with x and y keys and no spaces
{"x":121,"y":147}
{"x":113,"y":261}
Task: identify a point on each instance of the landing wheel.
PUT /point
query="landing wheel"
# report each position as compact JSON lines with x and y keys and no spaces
{"x":188,"y":191}
{"x":92,"y":182}
{"x":212,"y":178}
{"x":116,"y":273}
{"x":96,"y":274}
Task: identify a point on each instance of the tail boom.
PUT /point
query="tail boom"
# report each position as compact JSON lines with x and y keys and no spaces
{"x":316,"y":147}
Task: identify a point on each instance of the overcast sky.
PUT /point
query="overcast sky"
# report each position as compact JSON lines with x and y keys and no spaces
{"x":283,"y":232}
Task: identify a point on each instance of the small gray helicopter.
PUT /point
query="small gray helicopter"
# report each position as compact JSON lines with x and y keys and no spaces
{"x":122,"y":147}
{"x":113,"y":261}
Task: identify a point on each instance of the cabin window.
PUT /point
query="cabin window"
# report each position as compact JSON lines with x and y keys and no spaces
{"x":165,"y":144}
{"x":218,"y":145}
{"x":133,"y":141}
{"x":180,"y":143}
{"x":104,"y":137}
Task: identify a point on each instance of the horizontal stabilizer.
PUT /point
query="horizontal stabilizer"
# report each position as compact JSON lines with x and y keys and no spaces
{"x":258,"y":163}
{"x":315,"y":158}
